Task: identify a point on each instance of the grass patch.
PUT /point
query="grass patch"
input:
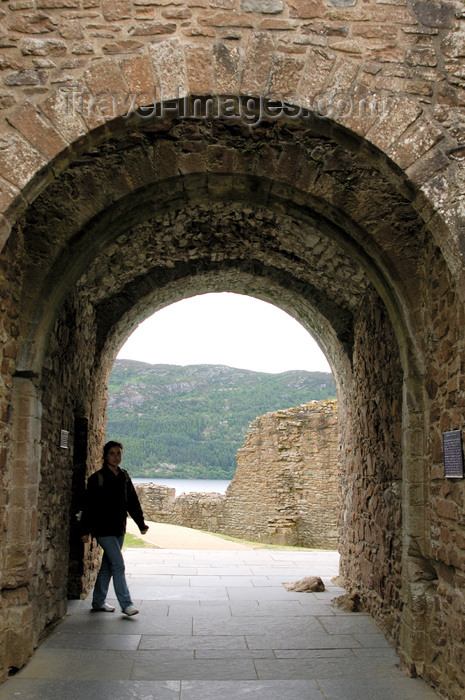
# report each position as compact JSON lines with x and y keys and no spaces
{"x":262,"y":545}
{"x":134,"y":541}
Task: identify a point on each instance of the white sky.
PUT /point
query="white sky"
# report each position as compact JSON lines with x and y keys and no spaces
{"x":225,"y":329}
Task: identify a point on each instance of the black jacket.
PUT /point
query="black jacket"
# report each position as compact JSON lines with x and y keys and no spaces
{"x":109,"y":498}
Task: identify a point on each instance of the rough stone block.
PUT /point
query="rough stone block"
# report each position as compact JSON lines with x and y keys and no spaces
{"x":115,"y":10}
{"x":43,"y":47}
{"x":57,"y":4}
{"x":433,"y":13}
{"x":286,"y":75}
{"x":7,"y":100}
{"x":166,"y":159}
{"x":83,"y":48}
{"x":257,"y":64}
{"x":33,"y":23}
{"x":19,"y":161}
{"x":177,"y":13}
{"x":140,"y":78}
{"x":71,"y":29}
{"x":416,"y":143}
{"x":271,"y":7}
{"x":64,"y":114}
{"x":362,"y":110}
{"x":421,"y":57}
{"x":219,"y":159}
{"x":277,"y":24}
{"x":8,"y":194}
{"x":307,"y":9}
{"x":226,"y":61}
{"x":223,"y":4}
{"x":28,"y":121}
{"x":315,"y":76}
{"x":16,"y":5}
{"x":421,"y":173}
{"x":19,"y":636}
{"x":104,"y":76}
{"x":123,"y":47}
{"x":199,"y":70}
{"x":169,"y":63}
{"x":26,"y":77}
{"x":399,"y":114}
{"x":226,"y":19}
{"x":152,"y":29}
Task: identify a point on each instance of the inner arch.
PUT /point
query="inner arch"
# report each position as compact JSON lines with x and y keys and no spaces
{"x":227,"y":329}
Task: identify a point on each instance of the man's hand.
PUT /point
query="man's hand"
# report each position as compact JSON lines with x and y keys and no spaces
{"x":85,"y":538}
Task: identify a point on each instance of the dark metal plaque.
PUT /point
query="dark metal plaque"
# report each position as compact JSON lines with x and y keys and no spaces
{"x":453,"y":454}
{"x":64,"y":439}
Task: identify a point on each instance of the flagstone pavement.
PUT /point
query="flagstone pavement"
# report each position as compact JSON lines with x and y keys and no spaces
{"x":218,"y":624}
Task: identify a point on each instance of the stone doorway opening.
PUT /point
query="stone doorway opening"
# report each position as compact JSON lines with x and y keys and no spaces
{"x":212,"y":343}
{"x":306,"y":216}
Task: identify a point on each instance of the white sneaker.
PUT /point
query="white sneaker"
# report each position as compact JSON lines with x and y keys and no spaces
{"x":105,"y":608}
{"x":130,"y":610}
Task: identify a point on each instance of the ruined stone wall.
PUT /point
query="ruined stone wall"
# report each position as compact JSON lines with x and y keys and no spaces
{"x":286,"y":485}
{"x":285,"y":490}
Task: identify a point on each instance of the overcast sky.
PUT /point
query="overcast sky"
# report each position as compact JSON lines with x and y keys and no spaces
{"x":225,"y":329}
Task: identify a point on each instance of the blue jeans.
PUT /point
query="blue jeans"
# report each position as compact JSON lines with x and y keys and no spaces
{"x":112,"y":565}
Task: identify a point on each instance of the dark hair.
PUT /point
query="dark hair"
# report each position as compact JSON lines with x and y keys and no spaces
{"x":108,"y":447}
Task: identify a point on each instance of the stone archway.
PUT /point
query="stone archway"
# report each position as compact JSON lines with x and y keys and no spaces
{"x":286,"y":213}
{"x":352,"y":221}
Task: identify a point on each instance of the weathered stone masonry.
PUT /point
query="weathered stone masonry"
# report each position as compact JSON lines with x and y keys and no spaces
{"x":286,"y":487}
{"x":350,"y":217}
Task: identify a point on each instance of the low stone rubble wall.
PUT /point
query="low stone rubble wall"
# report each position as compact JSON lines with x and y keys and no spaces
{"x":285,"y":490}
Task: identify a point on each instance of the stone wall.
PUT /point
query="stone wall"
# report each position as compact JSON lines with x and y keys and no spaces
{"x":445,"y":568}
{"x":286,"y":487}
{"x":371,"y":470}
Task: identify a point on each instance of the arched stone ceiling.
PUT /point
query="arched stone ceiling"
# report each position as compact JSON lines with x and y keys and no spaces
{"x":226,"y":246}
{"x":319,"y":215}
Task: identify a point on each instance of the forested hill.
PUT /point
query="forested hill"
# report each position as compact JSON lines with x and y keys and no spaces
{"x":189,"y":422}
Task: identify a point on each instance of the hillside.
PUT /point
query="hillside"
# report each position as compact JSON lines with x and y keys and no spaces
{"x":189,"y":422}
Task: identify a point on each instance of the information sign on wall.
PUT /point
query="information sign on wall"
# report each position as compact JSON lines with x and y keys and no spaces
{"x":64,"y":439}
{"x":453,"y":454}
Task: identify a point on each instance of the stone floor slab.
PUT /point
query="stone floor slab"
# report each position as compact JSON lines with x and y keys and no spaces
{"x":269,"y":625}
{"x":321,"y":668}
{"x":400,"y":688}
{"x":313,"y":641}
{"x":354,"y":623}
{"x":198,"y":669}
{"x":207,"y":610}
{"x":78,"y":665}
{"x":251,"y":690}
{"x":93,"y":641}
{"x":217,"y":653}
{"x":116,"y":624}
{"x":18,"y":689}
{"x":189,"y":642}
{"x":263,"y":593}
